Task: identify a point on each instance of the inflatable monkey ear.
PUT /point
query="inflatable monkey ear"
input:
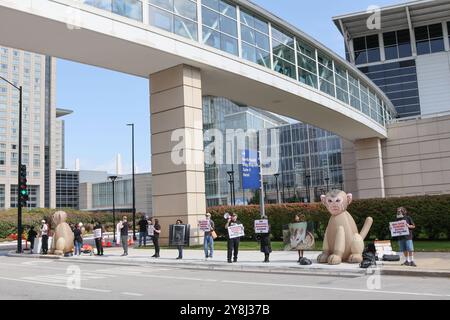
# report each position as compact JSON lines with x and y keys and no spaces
{"x":323,"y":198}
{"x":349,"y":198}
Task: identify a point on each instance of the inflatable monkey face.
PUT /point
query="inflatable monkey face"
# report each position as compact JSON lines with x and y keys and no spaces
{"x":59,"y":217}
{"x":336,"y":201}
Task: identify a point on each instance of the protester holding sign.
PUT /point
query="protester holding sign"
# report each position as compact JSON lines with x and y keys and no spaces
{"x":263,"y":231}
{"x":235,"y":232}
{"x":406,"y":242}
{"x":98,"y":235}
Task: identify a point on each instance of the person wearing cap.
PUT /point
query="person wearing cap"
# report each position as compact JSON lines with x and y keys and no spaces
{"x":208,"y":241}
{"x":124,"y":235}
{"x":44,"y":234}
{"x":232,"y":244}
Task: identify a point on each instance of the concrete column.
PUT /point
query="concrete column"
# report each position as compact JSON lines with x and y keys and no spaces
{"x":178,"y":179}
{"x":369,"y":168}
{"x":349,"y":168}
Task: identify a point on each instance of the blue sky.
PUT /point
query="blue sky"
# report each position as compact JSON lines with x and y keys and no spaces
{"x":105,"y":101}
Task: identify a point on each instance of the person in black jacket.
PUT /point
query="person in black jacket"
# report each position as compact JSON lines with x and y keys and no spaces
{"x":179,"y":246}
{"x":78,"y":239}
{"x":266,"y":246}
{"x":32,"y":234}
{"x":98,"y":241}
{"x":233,"y":244}
{"x":143,"y":226}
{"x":157,"y":231}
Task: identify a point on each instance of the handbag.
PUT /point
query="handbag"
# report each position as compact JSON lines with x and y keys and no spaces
{"x":213,"y":234}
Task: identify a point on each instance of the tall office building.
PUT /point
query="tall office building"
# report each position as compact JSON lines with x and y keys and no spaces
{"x":37,"y":74}
{"x":60,"y":135}
{"x":408,"y":56}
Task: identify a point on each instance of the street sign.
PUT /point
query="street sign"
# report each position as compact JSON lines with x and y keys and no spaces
{"x":250,"y":170}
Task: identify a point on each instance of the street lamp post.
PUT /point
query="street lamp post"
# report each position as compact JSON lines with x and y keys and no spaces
{"x":231,"y":182}
{"x":308,"y":195}
{"x":327,"y":180}
{"x":113,"y":180}
{"x":134,"y":183}
{"x":19,"y":204}
{"x":277,"y":175}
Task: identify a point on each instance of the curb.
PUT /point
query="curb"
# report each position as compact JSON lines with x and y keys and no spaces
{"x":348,"y":273}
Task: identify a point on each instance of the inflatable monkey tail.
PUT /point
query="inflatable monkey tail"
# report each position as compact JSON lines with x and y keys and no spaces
{"x":366,"y":228}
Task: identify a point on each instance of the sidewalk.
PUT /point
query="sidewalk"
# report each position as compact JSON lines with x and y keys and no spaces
{"x":430,"y":264}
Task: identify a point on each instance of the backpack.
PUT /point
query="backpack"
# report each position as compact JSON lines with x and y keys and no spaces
{"x":368,"y":260}
{"x":305,"y":262}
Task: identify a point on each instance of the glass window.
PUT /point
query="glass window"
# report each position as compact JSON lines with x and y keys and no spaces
{"x":255,"y":39}
{"x":220,"y":16}
{"x":429,"y":39}
{"x":284,"y":67}
{"x":367,"y":49}
{"x":128,"y":8}
{"x":185,"y":28}
{"x":177,"y":16}
{"x":166,"y":4}
{"x":161,"y":19}
{"x":186,"y":8}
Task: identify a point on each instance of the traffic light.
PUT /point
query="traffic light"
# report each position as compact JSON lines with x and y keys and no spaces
{"x":23,"y":190}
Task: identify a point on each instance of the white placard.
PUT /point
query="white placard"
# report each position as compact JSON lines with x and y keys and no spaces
{"x":204,"y":225}
{"x":261,"y":226}
{"x":151,"y":230}
{"x":399,"y":228}
{"x":236,"y":231}
{"x":97,"y":233}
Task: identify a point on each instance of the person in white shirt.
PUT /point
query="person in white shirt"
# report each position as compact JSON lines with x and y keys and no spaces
{"x":44,"y":234}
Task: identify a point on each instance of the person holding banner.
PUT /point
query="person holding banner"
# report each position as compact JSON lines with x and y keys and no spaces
{"x":266,"y":246}
{"x":235,"y":232}
{"x":98,"y":236}
{"x":406,"y":242}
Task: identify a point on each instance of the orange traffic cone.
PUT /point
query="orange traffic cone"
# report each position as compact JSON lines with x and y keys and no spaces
{"x":108,"y":245}
{"x":130,"y":241}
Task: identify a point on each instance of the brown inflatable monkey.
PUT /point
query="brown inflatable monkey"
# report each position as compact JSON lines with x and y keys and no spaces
{"x":63,"y":237}
{"x":342,"y":242}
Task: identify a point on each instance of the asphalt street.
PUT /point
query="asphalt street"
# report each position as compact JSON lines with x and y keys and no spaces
{"x":51,"y":279}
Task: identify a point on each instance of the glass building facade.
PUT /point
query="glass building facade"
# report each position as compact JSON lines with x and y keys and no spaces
{"x":310,"y":158}
{"x":222,"y":114}
{"x":67,"y":189}
{"x":396,"y":72}
{"x":239,"y":31}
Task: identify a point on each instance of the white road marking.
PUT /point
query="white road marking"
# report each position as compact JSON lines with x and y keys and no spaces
{"x":54,"y":285}
{"x":132,"y":294}
{"x":335,"y":289}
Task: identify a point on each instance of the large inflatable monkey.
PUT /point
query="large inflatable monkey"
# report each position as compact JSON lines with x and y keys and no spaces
{"x":342,"y":242}
{"x":63,"y":237}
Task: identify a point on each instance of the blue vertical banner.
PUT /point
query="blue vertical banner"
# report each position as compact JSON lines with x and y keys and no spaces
{"x":250,"y":170}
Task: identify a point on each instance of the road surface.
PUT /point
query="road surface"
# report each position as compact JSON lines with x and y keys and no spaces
{"x":22,"y":278}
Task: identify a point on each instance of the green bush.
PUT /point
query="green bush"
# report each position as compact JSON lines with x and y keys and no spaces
{"x":33,"y":217}
{"x":431,"y":214}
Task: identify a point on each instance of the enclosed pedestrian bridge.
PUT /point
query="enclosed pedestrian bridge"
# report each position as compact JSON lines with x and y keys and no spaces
{"x":189,"y":48}
{"x":244,"y":53}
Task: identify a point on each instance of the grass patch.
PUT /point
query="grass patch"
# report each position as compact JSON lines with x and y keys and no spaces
{"x":420,"y":246}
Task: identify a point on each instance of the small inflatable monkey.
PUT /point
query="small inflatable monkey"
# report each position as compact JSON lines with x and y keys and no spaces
{"x":342,"y":242}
